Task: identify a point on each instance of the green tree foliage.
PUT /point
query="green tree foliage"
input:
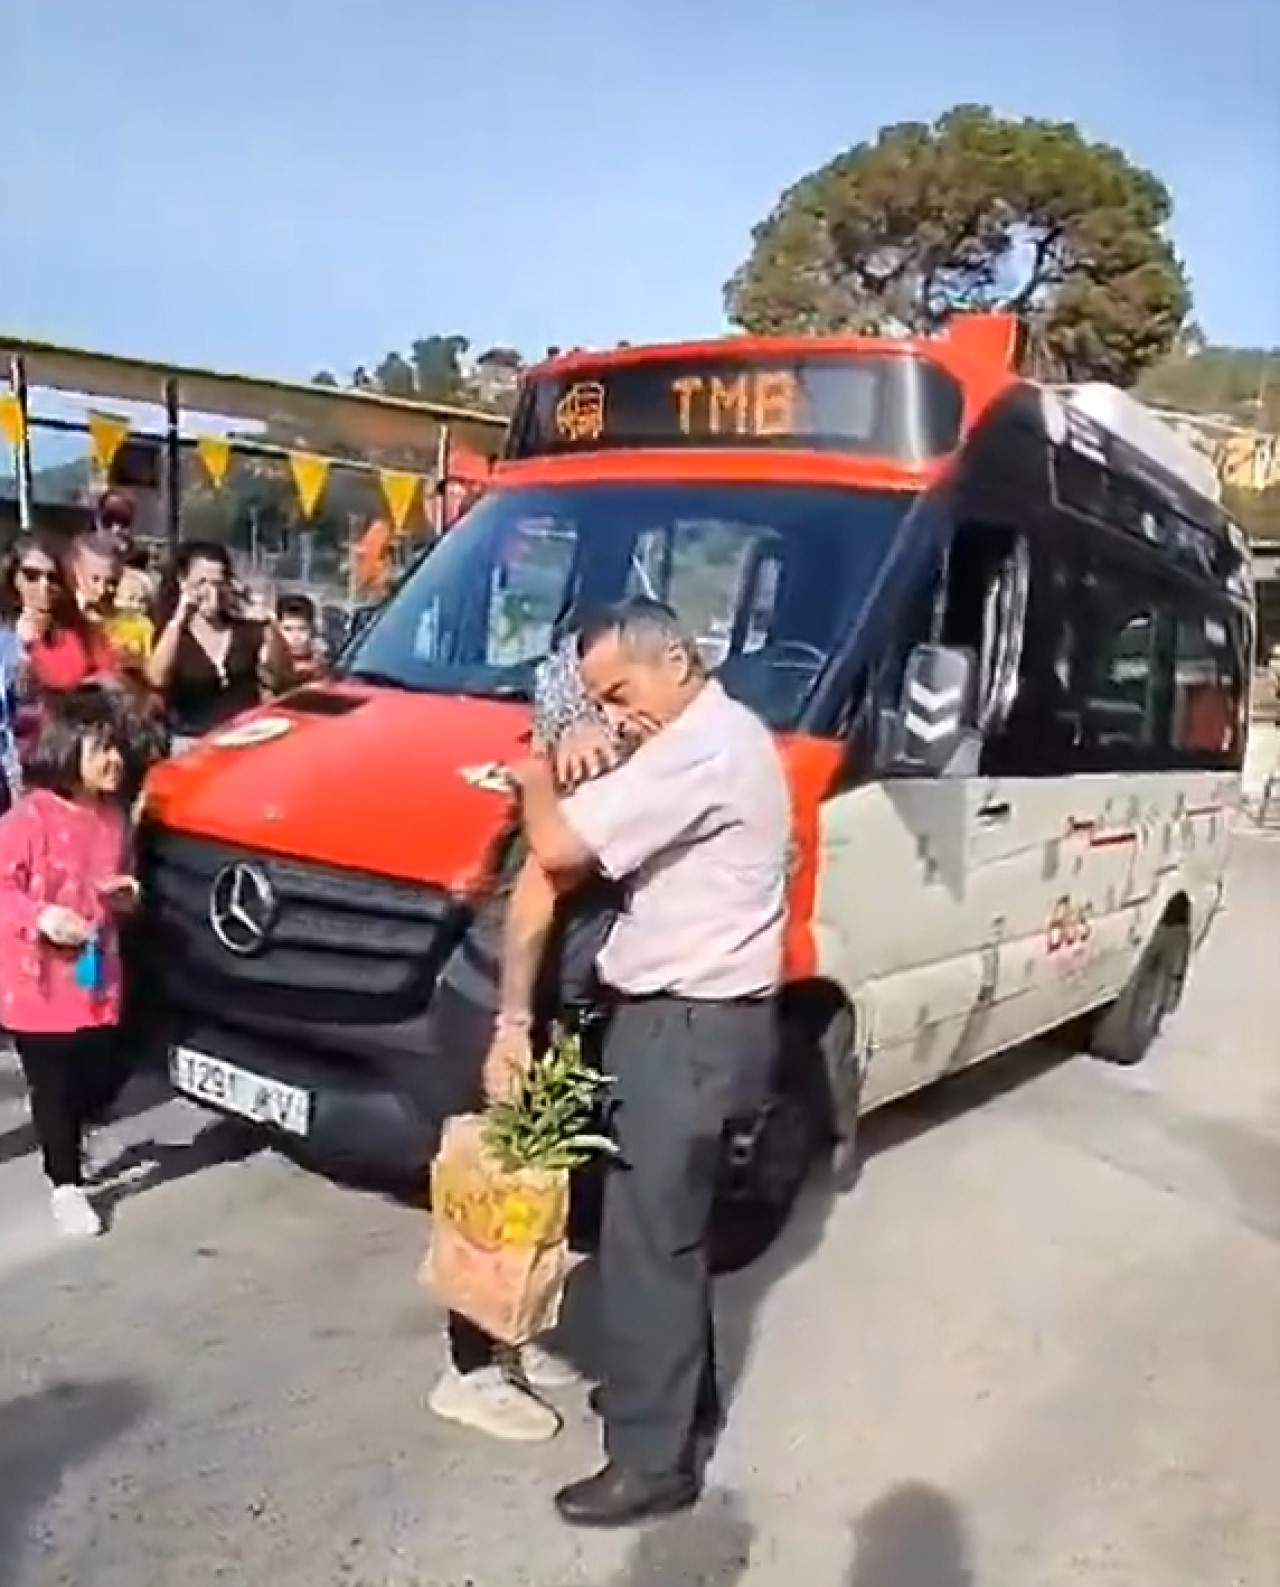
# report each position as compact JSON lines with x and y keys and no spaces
{"x":975,"y":212}
{"x":394,"y":376}
{"x":434,"y":372}
{"x":437,"y":362}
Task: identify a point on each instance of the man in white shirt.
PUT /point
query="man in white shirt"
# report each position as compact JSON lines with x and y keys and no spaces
{"x":697,"y":824}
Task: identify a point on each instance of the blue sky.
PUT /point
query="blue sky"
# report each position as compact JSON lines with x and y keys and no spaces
{"x":277,"y":185}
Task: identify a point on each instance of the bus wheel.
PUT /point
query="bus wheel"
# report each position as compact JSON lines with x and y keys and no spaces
{"x":765,"y":1163}
{"x":1124,"y":1031}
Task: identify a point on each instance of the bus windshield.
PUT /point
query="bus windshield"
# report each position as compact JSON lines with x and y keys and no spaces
{"x":767,"y":579}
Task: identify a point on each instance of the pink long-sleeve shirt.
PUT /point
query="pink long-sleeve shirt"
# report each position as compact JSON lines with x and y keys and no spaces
{"x":56,"y":851}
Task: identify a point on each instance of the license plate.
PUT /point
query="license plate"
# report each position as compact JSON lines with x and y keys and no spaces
{"x":238,"y":1090}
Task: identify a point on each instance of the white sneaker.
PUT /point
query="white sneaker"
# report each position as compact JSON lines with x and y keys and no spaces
{"x":73,"y":1213}
{"x":541,"y":1369}
{"x":491,"y":1403}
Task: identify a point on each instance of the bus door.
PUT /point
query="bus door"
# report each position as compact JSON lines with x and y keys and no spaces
{"x":930,"y":881}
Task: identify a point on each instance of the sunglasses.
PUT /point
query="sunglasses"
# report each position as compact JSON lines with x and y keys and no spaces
{"x":38,"y":575}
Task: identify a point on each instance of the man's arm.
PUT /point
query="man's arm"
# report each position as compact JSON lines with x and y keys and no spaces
{"x":553,"y":843}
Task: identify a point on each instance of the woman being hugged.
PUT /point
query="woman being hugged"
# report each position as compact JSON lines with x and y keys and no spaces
{"x":65,"y":883}
{"x":210,"y":662}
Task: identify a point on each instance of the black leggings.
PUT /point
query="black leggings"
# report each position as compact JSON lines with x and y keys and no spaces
{"x":73,"y":1079}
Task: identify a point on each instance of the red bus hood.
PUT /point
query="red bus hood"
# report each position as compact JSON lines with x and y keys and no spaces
{"x":377,"y":789}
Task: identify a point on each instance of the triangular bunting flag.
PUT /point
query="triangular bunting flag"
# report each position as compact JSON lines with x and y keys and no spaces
{"x":310,"y":474}
{"x":215,"y":454}
{"x":108,"y":436}
{"x":12,"y":420}
{"x":399,"y":490}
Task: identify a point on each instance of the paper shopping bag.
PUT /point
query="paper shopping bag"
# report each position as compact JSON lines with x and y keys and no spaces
{"x":499,"y":1242}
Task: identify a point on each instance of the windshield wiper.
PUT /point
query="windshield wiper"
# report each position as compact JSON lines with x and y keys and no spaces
{"x":492,"y":691}
{"x":380,"y":680}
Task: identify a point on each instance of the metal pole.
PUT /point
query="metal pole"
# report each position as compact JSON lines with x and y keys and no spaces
{"x":442,"y":480}
{"x":173,"y":462}
{"x":18,"y":381}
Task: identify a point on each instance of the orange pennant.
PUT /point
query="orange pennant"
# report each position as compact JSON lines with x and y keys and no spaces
{"x":310,"y":475}
{"x":108,"y":436}
{"x":399,"y":490}
{"x":215,"y":454}
{"x":12,"y":420}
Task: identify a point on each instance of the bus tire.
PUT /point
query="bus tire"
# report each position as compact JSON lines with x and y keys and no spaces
{"x":1123,"y":1032}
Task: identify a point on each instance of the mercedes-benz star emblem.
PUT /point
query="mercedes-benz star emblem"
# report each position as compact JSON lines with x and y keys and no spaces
{"x":242,"y":907}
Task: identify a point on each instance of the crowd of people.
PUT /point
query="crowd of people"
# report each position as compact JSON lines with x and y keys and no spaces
{"x":106,"y":666}
{"x":182,"y":649}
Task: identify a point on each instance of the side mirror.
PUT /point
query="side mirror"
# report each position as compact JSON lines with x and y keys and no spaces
{"x":930,"y":733}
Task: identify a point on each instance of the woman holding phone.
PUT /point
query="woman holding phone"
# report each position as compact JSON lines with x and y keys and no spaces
{"x":210,"y":662}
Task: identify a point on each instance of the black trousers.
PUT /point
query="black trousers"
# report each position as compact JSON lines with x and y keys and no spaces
{"x":682,"y":1070}
{"x":73,"y":1080}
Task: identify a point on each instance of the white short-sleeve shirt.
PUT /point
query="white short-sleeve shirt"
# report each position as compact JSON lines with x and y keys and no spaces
{"x":698,"y":823}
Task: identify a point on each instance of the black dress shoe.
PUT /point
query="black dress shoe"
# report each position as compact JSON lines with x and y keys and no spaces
{"x":618,"y":1497}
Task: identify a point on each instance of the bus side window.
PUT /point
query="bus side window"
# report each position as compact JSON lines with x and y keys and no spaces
{"x":1206,"y":726}
{"x":1119,"y":702}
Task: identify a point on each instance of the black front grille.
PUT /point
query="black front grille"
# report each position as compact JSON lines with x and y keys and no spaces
{"x":343,"y":945}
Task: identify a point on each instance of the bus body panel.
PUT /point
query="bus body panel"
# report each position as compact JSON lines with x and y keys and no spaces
{"x":958,"y":930}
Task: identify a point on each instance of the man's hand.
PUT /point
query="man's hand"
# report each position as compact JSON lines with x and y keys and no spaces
{"x":535,"y":773}
{"x":508,"y":1061}
{"x":583,"y":753}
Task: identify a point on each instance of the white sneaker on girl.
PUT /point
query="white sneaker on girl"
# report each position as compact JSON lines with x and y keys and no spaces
{"x":73,"y":1213}
{"x":541,"y":1368}
{"x":489,"y":1402}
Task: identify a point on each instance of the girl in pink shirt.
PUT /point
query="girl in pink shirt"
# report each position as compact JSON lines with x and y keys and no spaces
{"x":64,"y":883}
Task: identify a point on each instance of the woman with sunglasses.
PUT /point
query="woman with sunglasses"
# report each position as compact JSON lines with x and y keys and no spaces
{"x":46,"y":645}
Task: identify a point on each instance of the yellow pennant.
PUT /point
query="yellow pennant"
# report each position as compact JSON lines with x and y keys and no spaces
{"x":399,"y":489}
{"x":310,"y":473}
{"x":12,"y":420}
{"x":215,"y":454}
{"x":108,"y":437}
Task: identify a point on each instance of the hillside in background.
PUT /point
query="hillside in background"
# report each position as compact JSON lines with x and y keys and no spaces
{"x":1239,"y":383}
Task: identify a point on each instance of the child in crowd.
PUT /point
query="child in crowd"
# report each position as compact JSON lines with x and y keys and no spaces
{"x":130,"y":627}
{"x":296,"y":615}
{"x":65,"y":884}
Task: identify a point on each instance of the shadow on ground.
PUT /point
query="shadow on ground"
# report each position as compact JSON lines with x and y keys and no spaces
{"x":148,"y":1165}
{"x":144,"y":1091}
{"x":45,"y":1435}
{"x":742,"y":1294}
{"x":911,"y":1537}
{"x":707,"y":1547}
{"x":955,"y":1095}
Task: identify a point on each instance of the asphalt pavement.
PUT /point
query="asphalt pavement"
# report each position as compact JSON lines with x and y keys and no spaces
{"x":1036,"y":1345}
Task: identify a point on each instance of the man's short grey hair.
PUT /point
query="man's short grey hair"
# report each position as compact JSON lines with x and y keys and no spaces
{"x":645,"y":629}
{"x":96,"y":543}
